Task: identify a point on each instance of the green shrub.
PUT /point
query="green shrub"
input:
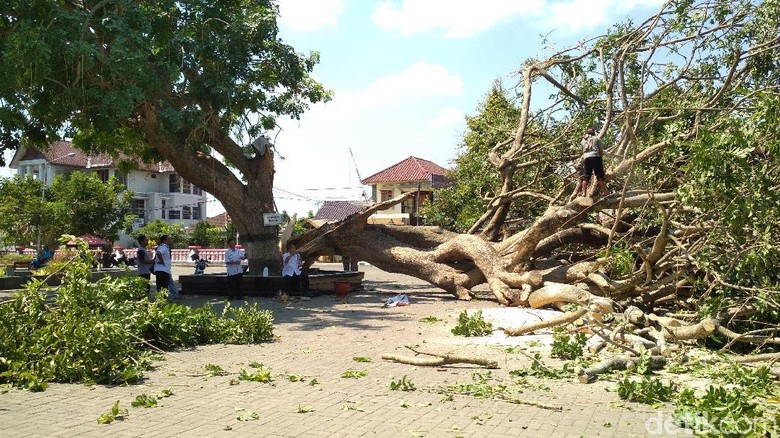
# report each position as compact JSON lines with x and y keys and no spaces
{"x":105,"y":332}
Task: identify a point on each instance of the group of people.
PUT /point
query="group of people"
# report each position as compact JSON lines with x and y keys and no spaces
{"x":158,"y":262}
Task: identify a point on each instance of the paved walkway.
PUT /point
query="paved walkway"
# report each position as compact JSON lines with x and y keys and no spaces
{"x":318,"y":339}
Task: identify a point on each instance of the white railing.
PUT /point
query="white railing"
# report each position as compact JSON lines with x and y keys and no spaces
{"x":178,"y":256}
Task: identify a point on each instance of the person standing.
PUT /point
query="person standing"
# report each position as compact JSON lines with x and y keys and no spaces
{"x":144,"y":260}
{"x":592,"y":163}
{"x":291,"y":270}
{"x":235,"y":271}
{"x":162,"y":264}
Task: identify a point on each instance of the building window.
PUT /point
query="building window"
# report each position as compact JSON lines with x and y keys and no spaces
{"x":196,"y":213}
{"x":186,"y":186}
{"x":385,"y":195}
{"x":163,"y":208}
{"x":173,"y":183}
{"x":174,"y":214}
{"x":101,"y":174}
{"x":138,"y":208}
{"x":196,"y":190}
{"x":186,"y":212}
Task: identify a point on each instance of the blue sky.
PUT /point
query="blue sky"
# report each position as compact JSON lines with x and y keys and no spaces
{"x":404,"y":74}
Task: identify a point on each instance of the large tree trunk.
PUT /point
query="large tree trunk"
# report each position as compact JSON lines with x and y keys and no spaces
{"x":245,"y":203}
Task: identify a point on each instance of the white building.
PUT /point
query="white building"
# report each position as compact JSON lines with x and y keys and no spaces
{"x":158,"y":192}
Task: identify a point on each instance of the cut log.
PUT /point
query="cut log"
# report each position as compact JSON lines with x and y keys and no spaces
{"x":701,"y":330}
{"x":553,"y":293}
{"x":566,"y":318}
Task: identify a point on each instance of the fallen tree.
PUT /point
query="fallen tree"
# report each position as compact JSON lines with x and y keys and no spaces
{"x":686,"y":103}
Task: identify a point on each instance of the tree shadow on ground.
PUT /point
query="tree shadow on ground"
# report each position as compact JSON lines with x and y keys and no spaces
{"x":362,"y":309}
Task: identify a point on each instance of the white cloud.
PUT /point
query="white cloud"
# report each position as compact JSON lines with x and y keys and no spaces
{"x":579,"y":15}
{"x":457,"y":18}
{"x":419,"y":81}
{"x":446,"y":116}
{"x":310,"y":15}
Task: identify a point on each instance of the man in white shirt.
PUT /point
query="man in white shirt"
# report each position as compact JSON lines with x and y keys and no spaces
{"x":162,"y":264}
{"x":293,"y":277}
{"x":235,"y":271}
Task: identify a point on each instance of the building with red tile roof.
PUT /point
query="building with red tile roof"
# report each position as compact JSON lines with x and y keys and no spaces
{"x":158,"y":191}
{"x":334,"y":211}
{"x":410,"y":175}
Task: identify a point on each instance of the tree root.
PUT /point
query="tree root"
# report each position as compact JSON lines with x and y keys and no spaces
{"x":590,"y":374}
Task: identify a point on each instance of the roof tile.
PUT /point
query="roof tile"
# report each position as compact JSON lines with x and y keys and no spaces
{"x":58,"y":153}
{"x":410,"y":169}
{"x":339,"y":210}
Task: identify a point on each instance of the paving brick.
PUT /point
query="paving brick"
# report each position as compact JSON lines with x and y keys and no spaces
{"x":318,"y":339}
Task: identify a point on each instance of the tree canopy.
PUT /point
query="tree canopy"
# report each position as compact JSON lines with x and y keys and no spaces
{"x":193,"y":82}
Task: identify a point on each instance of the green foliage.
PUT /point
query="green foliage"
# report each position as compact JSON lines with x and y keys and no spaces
{"x":100,"y":332}
{"x":246,"y":415}
{"x":22,"y":211}
{"x":58,"y":77}
{"x":247,"y":324}
{"x":214,"y":370}
{"x":648,"y":390}
{"x":756,"y":381}
{"x":354,"y":374}
{"x":208,"y":236}
{"x":481,"y":386}
{"x":11,"y":258}
{"x":457,"y":207}
{"x":722,"y":412}
{"x":540,"y":370}
{"x":89,"y":205}
{"x":144,"y":401}
{"x":402,"y":384}
{"x":261,"y":374}
{"x":75,"y":204}
{"x":114,"y":414}
{"x":474,"y":325}
{"x":430,"y":319}
{"x":565,"y":346}
{"x":295,"y":378}
{"x":361,"y":359}
{"x":156,"y":228}
{"x":620,"y":261}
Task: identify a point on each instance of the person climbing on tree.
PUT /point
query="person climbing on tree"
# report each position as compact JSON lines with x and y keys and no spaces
{"x":592,"y":162}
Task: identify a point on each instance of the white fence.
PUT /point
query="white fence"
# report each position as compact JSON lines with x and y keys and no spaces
{"x":178,"y":256}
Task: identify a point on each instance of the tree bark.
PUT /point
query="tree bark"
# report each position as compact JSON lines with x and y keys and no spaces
{"x":245,"y":203}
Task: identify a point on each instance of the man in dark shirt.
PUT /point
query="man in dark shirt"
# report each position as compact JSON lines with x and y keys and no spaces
{"x":592,"y":163}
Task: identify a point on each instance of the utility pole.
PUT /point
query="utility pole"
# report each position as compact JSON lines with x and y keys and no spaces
{"x":360,"y":180}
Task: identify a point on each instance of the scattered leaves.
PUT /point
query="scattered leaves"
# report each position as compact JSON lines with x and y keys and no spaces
{"x":354,"y":374}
